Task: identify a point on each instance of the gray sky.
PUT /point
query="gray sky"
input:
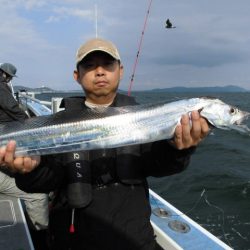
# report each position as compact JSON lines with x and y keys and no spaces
{"x":210,"y":45}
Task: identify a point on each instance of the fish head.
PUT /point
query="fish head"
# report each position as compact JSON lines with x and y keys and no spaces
{"x":224,"y":116}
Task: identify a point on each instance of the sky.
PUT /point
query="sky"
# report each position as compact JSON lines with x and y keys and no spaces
{"x":210,"y":45}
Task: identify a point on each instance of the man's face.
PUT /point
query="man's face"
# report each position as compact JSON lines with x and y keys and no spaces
{"x":4,"y":77}
{"x":99,"y":74}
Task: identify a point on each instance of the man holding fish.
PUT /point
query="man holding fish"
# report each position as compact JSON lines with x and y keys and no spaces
{"x":101,"y":196}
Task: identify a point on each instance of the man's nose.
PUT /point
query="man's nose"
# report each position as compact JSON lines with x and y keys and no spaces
{"x":100,"y":70}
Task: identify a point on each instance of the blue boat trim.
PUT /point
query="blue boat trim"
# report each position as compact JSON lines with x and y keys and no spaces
{"x":34,"y":105}
{"x":195,"y":238}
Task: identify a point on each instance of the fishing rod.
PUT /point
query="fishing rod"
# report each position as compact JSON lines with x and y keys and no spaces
{"x":139,"y":48}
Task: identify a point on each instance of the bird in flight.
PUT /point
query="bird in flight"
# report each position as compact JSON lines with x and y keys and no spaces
{"x":169,"y":25}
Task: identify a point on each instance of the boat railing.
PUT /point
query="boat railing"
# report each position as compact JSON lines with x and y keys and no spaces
{"x":31,"y":96}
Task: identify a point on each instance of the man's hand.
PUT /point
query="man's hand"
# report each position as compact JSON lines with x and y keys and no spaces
{"x":17,"y":164}
{"x":187,"y":136}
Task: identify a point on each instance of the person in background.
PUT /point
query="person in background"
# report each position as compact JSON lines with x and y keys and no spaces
{"x":9,"y":107}
{"x":36,"y":204}
{"x":101,"y":196}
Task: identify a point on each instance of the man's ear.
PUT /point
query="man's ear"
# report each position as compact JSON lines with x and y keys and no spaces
{"x":76,"y":76}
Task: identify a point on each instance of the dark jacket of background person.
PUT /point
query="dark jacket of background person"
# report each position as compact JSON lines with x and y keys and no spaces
{"x":117,"y":210}
{"x":9,"y":107}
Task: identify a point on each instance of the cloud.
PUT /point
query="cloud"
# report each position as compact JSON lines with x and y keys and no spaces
{"x":61,"y":13}
{"x":31,"y":4}
{"x":208,"y":42}
{"x":26,"y":4}
{"x":200,"y":57}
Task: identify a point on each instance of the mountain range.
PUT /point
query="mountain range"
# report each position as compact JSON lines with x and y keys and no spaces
{"x":229,"y":88}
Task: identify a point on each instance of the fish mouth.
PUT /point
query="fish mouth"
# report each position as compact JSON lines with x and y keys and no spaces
{"x":244,"y":117}
{"x":239,"y":122}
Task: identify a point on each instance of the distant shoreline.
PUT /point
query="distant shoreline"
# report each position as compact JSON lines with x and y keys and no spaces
{"x":180,"y":89}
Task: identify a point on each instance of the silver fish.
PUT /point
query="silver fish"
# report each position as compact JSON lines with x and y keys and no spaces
{"x":115,"y":127}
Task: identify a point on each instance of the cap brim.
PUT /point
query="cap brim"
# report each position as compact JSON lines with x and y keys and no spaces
{"x":96,"y":50}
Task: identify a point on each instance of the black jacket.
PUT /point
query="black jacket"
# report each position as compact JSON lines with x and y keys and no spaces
{"x":115,"y":211}
{"x":9,"y":111}
{"x":9,"y":108}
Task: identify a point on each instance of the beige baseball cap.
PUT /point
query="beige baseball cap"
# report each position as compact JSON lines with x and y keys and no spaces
{"x":97,"y":44}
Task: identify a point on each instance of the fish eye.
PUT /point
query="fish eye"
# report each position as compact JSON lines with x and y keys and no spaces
{"x":233,"y":111}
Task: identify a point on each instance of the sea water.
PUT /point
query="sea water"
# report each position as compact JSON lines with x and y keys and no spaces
{"x":215,"y":188}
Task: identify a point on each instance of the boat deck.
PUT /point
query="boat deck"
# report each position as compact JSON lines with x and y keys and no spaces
{"x":14,"y":233}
